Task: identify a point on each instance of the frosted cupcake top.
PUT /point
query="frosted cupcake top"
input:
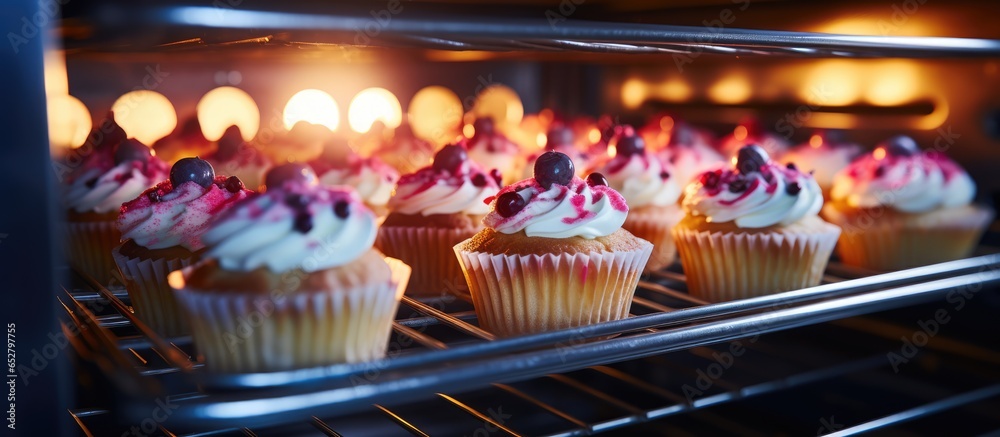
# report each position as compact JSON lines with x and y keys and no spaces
{"x":824,"y":155}
{"x":99,"y":148}
{"x":688,"y":154}
{"x":556,"y":204}
{"x":898,"y":175}
{"x":640,"y":176}
{"x":235,"y":157}
{"x":557,"y":139}
{"x":752,"y":132}
{"x":487,"y":140}
{"x":756,"y":193}
{"x":295,"y":224}
{"x":372,"y":178}
{"x":176,"y":212}
{"x":453,"y":184}
{"x":104,"y":190}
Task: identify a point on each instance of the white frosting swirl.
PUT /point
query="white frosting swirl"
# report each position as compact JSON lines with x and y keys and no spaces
{"x":577,"y":210}
{"x":643,"y":180}
{"x":824,"y":161}
{"x":689,"y":161}
{"x":374,"y":181}
{"x":917,"y":183}
{"x":429,"y":192}
{"x":769,"y":197}
{"x":268,"y":230}
{"x":104,"y":193}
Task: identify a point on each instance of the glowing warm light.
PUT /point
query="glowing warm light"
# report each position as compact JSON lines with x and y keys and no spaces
{"x":731,"y":89}
{"x":594,"y":135}
{"x":435,"y":113}
{"x":228,"y":106}
{"x":312,"y":106}
{"x":145,"y":115}
{"x":56,"y":81}
{"x":69,"y":121}
{"x":666,"y":123}
{"x":935,"y":119}
{"x":740,"y":133}
{"x":832,"y":83}
{"x":541,"y":140}
{"x":501,"y":104}
{"x":374,"y":104}
{"x":879,"y":153}
{"x":816,"y":141}
{"x":633,"y":93}
{"x":469,"y":131}
{"x":546,"y":116}
{"x":675,"y":90}
{"x":894,"y":82}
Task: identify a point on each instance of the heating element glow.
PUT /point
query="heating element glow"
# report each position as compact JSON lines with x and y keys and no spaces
{"x":69,"y":121}
{"x":435,"y":114}
{"x":145,"y":115}
{"x":501,"y":104}
{"x":227,"y":106}
{"x":312,"y":106}
{"x":374,"y":104}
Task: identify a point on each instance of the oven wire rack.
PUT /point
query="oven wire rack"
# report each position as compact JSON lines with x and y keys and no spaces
{"x":437,"y":348}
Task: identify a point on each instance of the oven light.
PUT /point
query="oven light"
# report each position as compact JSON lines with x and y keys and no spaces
{"x":371,"y":105}
{"x":731,"y":89}
{"x":69,"y":122}
{"x":633,"y":93}
{"x":894,"y":82}
{"x":500,"y":103}
{"x":435,"y":113}
{"x":314,"y":107}
{"x":145,"y":115}
{"x":228,"y":106}
{"x":541,"y":140}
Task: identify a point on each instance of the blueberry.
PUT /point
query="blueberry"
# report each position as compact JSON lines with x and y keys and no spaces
{"x":900,"y":145}
{"x":483,"y":126}
{"x":291,"y":172}
{"x":234,"y":184}
{"x":108,"y":133}
{"x":630,"y":144}
{"x":303,"y":222}
{"x":596,"y":179}
{"x":132,"y":150}
{"x":509,"y":203}
{"x":342,"y":209}
{"x":751,"y":158}
{"x":192,"y":169}
{"x":558,"y":136}
{"x":738,"y":185}
{"x":229,"y":144}
{"x":791,"y":166}
{"x":682,"y":135}
{"x":664,"y":174}
{"x":479,"y":180}
{"x":793,"y":188}
{"x":295,"y":200}
{"x":450,"y":158}
{"x":153,"y":195}
{"x":554,"y":168}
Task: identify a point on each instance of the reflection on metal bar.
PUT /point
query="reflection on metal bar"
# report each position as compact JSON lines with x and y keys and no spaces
{"x":922,"y":411}
{"x":478,"y":415}
{"x":539,"y":403}
{"x":324,"y":427}
{"x":402,"y":422}
{"x":461,"y":325}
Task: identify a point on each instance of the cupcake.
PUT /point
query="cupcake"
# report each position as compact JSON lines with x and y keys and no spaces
{"x":900,"y":207}
{"x":94,"y":198}
{"x":373,"y":179}
{"x":186,"y":140}
{"x":491,"y":149}
{"x":161,"y":232}
{"x":553,"y":254}
{"x":558,"y":139}
{"x":289,"y":279}
{"x":96,"y":155}
{"x":431,"y":211}
{"x":825,"y":154}
{"x":752,"y":132}
{"x":405,"y":152}
{"x":753,"y":230}
{"x":688,"y":153}
{"x":236,"y":157}
{"x":652,"y":192}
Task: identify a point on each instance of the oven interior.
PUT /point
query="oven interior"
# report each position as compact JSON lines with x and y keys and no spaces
{"x":905,"y":353}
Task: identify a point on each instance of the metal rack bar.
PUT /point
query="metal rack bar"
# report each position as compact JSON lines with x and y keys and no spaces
{"x":922,"y":411}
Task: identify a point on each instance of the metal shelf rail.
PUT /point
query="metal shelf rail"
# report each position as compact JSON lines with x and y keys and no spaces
{"x":437,"y":347}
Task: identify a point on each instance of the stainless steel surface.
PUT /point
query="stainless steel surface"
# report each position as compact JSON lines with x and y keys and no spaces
{"x":466,"y":363}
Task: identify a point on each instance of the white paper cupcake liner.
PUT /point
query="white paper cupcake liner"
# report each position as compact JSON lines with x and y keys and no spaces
{"x":736,"y":265}
{"x":249,"y":332}
{"x":152,"y":298}
{"x":655,"y":227}
{"x":429,"y":252}
{"x":522,"y":294}
{"x":89,"y":245}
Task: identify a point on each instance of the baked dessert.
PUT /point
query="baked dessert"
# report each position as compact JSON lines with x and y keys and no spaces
{"x":406,"y":152}
{"x":94,"y":198}
{"x":559,"y":138}
{"x":161,"y":232}
{"x":825,"y":154}
{"x":373,"y":179}
{"x":432,"y":210}
{"x":491,"y":149}
{"x":902,"y":207}
{"x":186,"y":140}
{"x":553,"y":254}
{"x":235,"y":157}
{"x":751,"y":131}
{"x":297,"y":261}
{"x":688,"y":153}
{"x":753,"y":229}
{"x":652,"y":191}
